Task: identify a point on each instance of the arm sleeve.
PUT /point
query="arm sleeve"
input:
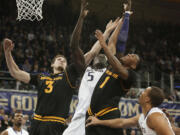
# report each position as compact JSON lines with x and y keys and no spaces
{"x":123,"y":35}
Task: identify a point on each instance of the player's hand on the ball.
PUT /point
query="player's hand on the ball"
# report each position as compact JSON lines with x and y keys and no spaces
{"x":127,"y":6}
{"x":8,"y":45}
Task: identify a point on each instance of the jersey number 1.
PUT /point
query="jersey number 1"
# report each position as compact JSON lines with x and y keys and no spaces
{"x":49,"y":86}
{"x":105,"y":81}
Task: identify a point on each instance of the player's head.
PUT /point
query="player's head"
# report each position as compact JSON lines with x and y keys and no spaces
{"x":152,"y":95}
{"x":17,"y":118}
{"x":100,"y":61}
{"x":130,"y":60}
{"x":59,"y":63}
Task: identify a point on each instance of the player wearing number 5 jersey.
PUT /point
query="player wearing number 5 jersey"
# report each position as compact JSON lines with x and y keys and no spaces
{"x":88,"y":83}
{"x":90,"y":79}
{"x":55,"y":90}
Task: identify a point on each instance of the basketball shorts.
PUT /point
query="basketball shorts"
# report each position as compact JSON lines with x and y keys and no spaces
{"x":46,"y":128}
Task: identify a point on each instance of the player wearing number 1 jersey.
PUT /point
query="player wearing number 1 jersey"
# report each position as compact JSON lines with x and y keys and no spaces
{"x":113,"y":84}
{"x":88,"y":83}
{"x":54,"y":90}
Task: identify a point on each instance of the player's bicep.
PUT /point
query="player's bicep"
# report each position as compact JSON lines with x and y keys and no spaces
{"x":23,"y":76}
{"x":159,"y":124}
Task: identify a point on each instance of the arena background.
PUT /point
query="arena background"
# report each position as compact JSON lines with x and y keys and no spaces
{"x":154,"y":35}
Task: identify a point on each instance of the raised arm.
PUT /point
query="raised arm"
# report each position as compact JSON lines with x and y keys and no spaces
{"x":89,"y":56}
{"x":113,"y":39}
{"x":162,"y":128}
{"x":113,"y":123}
{"x":77,"y":54}
{"x":117,"y":41}
{"x":13,"y":68}
{"x":115,"y":63}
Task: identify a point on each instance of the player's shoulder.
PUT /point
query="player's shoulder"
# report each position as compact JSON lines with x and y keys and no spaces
{"x":155,"y":111}
{"x":155,"y":117}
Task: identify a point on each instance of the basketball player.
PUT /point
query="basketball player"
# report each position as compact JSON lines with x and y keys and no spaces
{"x":93,"y":74}
{"x":55,"y":90}
{"x":17,"y":125}
{"x":88,"y":82}
{"x":152,"y":121}
{"x":113,"y":84}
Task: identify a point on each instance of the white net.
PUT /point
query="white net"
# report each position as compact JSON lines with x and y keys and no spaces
{"x":29,"y":9}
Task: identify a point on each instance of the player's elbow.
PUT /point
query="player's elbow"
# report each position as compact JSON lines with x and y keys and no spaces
{"x":14,"y":73}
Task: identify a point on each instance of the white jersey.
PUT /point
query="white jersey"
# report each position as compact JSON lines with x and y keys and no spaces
{"x":11,"y":131}
{"x":88,"y":83}
{"x":143,"y":125}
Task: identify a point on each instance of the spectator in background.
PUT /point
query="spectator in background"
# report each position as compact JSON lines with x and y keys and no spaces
{"x":17,"y":125}
{"x":26,"y":122}
{"x":26,"y":66}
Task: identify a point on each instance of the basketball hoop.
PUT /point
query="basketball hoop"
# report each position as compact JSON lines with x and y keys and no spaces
{"x":29,"y":9}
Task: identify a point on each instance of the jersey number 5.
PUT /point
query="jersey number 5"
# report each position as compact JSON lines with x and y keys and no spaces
{"x":49,"y":86}
{"x":91,"y":76}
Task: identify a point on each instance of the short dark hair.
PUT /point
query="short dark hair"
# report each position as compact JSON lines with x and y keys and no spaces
{"x":58,"y":55}
{"x":17,"y":111}
{"x":156,"y":95}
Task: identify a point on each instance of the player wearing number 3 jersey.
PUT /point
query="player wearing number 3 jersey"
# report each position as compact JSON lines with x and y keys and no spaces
{"x":55,"y":90}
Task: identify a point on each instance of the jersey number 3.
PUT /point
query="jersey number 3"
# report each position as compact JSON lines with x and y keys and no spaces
{"x":49,"y":87}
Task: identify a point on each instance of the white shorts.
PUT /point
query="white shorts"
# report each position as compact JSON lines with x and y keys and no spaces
{"x":76,"y":127}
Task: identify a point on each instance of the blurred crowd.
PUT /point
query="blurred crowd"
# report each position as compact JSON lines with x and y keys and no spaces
{"x":37,"y":42}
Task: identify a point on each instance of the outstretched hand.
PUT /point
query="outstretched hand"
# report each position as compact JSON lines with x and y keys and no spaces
{"x":92,"y":121}
{"x":127,"y":6}
{"x":84,"y":10}
{"x":8,"y":45}
{"x":99,"y":36}
{"x":112,"y":25}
